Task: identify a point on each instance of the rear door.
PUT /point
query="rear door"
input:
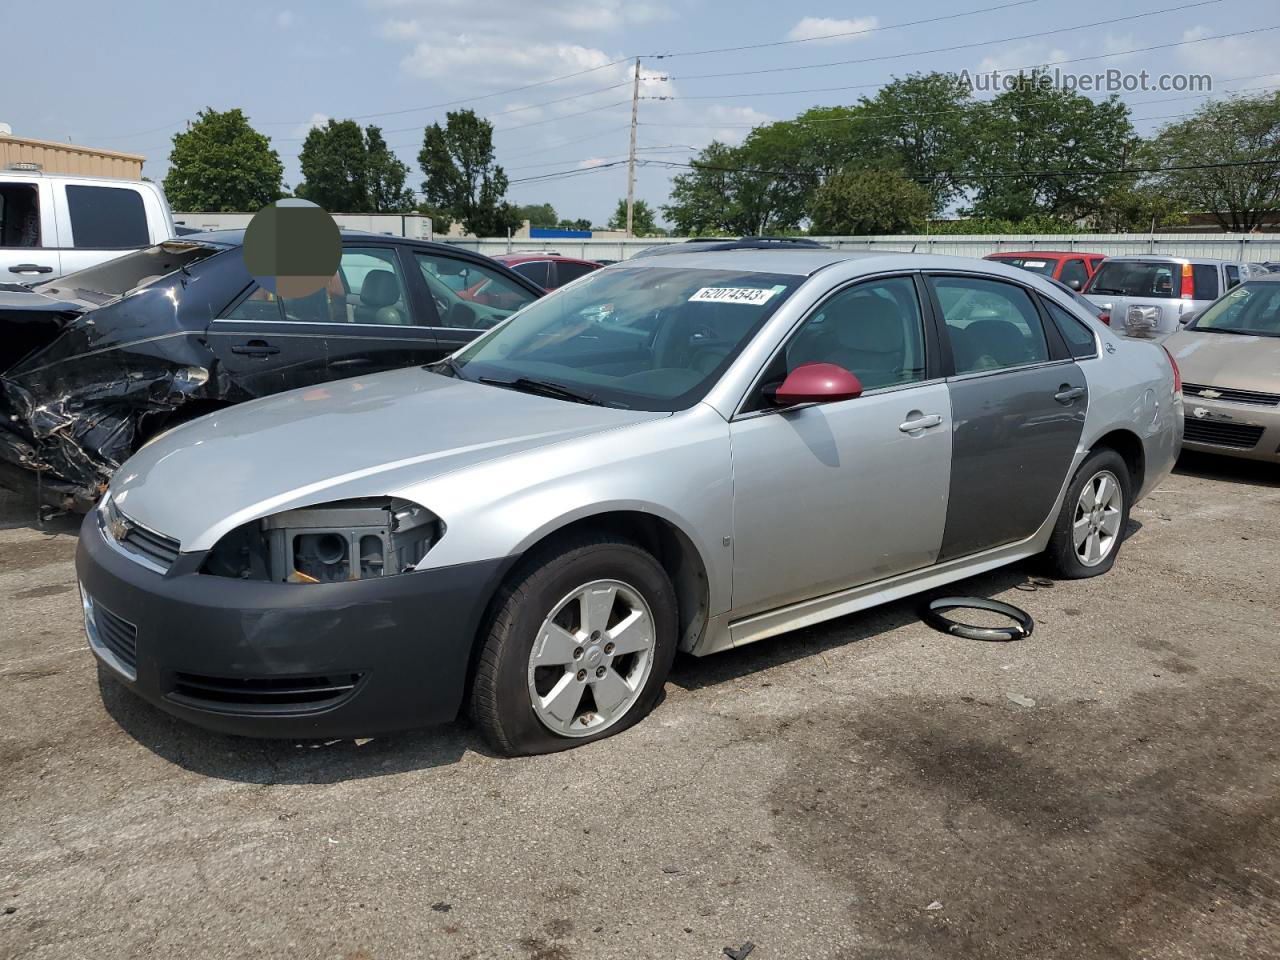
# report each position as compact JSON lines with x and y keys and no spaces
{"x":367,"y":318}
{"x":1018,"y":403}
{"x":28,"y":231}
{"x":98,"y":223}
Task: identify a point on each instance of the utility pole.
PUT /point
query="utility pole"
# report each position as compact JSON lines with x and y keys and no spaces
{"x":631,"y":160}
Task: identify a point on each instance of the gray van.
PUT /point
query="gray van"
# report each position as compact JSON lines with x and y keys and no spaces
{"x":1148,"y":295}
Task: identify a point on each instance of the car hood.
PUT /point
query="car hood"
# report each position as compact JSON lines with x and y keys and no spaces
{"x":1227,"y":360}
{"x":369,"y":436}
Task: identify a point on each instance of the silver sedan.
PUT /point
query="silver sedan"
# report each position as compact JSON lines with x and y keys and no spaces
{"x":687,"y":452}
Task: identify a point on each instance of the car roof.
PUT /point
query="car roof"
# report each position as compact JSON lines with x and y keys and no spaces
{"x":1042,"y":253}
{"x":235,"y":238}
{"x":1166,"y":258}
{"x":518,"y":257}
{"x":804,"y":262}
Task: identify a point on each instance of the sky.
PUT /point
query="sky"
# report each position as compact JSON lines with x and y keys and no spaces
{"x":128,"y":75}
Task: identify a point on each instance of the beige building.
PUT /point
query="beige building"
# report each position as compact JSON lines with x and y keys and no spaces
{"x":49,"y":156}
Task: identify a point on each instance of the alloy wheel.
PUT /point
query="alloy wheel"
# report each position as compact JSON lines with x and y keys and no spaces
{"x":1095,"y":525}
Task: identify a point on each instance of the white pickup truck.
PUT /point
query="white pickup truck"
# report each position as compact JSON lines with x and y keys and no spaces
{"x":51,"y":224}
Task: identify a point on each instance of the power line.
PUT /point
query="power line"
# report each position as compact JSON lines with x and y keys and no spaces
{"x":959,"y":46}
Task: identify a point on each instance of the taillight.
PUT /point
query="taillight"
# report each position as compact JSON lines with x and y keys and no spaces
{"x":1105,"y":317}
{"x":1188,"y":284}
{"x":1177,"y":374}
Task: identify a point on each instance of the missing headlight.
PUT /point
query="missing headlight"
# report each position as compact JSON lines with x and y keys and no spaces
{"x":344,"y":540}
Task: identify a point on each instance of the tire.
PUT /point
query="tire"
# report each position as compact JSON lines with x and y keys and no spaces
{"x":1103,"y":527}
{"x":523,"y":706}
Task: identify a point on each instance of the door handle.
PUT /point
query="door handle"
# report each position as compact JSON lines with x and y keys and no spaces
{"x":1068,"y":394}
{"x":30,"y":268}
{"x":255,"y":348}
{"x":921,"y":423}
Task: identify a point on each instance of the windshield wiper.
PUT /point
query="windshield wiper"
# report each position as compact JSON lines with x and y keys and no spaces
{"x":544,"y":388}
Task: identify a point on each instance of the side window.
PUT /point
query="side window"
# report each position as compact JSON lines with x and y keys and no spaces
{"x":1233,"y":275}
{"x":104,"y":218}
{"x":1074,"y":274}
{"x":368,"y":288}
{"x":260,"y":305}
{"x":875,"y":330}
{"x":1204,"y":281}
{"x":992,"y":324}
{"x":567,"y":272}
{"x":19,"y":216}
{"x":1079,"y":337}
{"x":468,"y":294}
{"x":539,"y":271}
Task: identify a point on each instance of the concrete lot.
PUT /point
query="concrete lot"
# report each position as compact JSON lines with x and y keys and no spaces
{"x":866,"y":789}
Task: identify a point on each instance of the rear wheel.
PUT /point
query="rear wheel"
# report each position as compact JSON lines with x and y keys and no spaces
{"x":1094,"y":515}
{"x":578,"y":648}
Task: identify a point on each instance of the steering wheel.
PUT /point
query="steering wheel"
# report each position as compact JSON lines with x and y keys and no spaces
{"x":462,"y":315}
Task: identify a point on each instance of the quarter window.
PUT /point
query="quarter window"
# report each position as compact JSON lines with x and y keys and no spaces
{"x":539,"y":271}
{"x":874,"y":330}
{"x":567,"y":272}
{"x":1079,"y":337}
{"x":104,"y":218}
{"x":992,"y":325}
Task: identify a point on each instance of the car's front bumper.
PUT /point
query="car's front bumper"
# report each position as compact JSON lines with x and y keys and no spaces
{"x":1241,"y":430}
{"x":285,"y":660}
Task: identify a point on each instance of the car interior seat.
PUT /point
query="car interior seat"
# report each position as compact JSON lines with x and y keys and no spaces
{"x":379,"y":295}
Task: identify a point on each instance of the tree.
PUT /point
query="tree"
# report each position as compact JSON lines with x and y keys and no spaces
{"x":386,"y":174}
{"x":580,"y":224}
{"x":1039,"y":149}
{"x":1241,"y":131}
{"x":869,"y":202}
{"x":721,"y":194}
{"x":461,"y":176}
{"x":538,"y":214}
{"x":643,"y":223}
{"x":920,"y":124}
{"x":220,"y":163}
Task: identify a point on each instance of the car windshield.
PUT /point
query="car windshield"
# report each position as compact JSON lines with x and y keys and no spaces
{"x":650,"y":339}
{"x":1035,"y":265}
{"x":1251,"y":308}
{"x":1135,"y":278}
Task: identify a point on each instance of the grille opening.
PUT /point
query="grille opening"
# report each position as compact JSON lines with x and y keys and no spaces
{"x":1237,"y":436}
{"x":265,"y":692}
{"x":1231,"y":394}
{"x":117,"y":635}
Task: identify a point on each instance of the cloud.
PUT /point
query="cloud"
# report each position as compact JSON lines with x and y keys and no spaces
{"x":821,"y":29}
{"x":1022,"y":55}
{"x":1258,"y":55}
{"x":516,"y":17}
{"x":285,"y":19}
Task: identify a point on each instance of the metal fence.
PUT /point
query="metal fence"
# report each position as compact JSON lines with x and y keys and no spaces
{"x":1222,"y":246}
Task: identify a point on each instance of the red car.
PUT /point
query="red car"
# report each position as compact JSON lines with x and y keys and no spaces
{"x":548,"y":270}
{"x":1072,"y":268}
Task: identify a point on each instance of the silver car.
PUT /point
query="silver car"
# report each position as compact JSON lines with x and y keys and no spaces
{"x":687,"y":452}
{"x":1148,"y":296}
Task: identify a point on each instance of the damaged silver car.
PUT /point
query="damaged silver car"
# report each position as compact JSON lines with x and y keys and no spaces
{"x":96,"y":363}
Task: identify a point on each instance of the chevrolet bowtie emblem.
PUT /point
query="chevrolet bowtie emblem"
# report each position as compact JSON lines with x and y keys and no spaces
{"x":119,"y":529}
{"x":1211,"y":394}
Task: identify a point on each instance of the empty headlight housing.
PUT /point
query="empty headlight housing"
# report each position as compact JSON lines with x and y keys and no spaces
{"x":333,"y":542}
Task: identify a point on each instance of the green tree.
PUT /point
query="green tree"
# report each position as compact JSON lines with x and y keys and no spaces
{"x":643,"y":221}
{"x":1241,"y":131}
{"x":721,"y":194}
{"x":386,"y":175}
{"x":334,"y":164}
{"x":1037,"y":149}
{"x":871,"y":201}
{"x":538,"y":214}
{"x":220,"y":163}
{"x":580,"y":224}
{"x":461,"y":176}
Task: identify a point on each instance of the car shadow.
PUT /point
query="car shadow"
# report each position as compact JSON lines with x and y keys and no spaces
{"x":284,"y":762}
{"x":18,"y":511}
{"x":1207,"y":466}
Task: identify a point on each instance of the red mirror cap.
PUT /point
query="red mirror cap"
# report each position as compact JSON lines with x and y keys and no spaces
{"x":817,"y":383}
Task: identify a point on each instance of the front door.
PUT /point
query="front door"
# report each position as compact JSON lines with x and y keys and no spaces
{"x":28,"y":231}
{"x":1018,"y":403}
{"x":829,"y":496}
{"x":365,"y":320}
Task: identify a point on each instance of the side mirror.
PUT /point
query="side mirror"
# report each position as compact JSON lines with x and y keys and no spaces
{"x":1074,"y":284}
{"x":1186,"y":318}
{"x":817,"y":383}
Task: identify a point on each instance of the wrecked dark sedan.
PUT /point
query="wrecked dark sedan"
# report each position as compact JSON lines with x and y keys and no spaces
{"x":96,"y":363}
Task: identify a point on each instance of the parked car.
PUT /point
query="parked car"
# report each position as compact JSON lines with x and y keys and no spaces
{"x":1083,"y":302}
{"x":547,"y":270}
{"x":1230,"y":356}
{"x":96,"y":363}
{"x":1148,"y":295}
{"x":691,"y":451}
{"x":1071,"y":267}
{"x":54,"y":224}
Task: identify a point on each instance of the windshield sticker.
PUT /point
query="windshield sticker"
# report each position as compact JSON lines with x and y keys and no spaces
{"x":752,"y":296}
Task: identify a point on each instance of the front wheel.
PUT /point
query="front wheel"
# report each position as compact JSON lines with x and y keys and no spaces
{"x":578,"y":648}
{"x":1094,"y":515}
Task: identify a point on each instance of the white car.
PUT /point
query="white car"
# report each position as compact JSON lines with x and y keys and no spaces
{"x":53,"y":224}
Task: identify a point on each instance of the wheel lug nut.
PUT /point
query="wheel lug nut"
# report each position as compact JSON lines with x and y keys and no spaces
{"x":599,"y":671}
{"x":577,"y":653}
{"x":608,"y":648}
{"x":582,"y":674}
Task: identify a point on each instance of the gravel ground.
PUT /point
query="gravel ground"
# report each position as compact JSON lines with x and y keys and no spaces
{"x":864,"y":789}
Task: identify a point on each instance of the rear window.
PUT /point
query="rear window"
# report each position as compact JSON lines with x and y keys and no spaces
{"x":1137,"y":278}
{"x":1034,"y":264}
{"x":104,"y":218}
